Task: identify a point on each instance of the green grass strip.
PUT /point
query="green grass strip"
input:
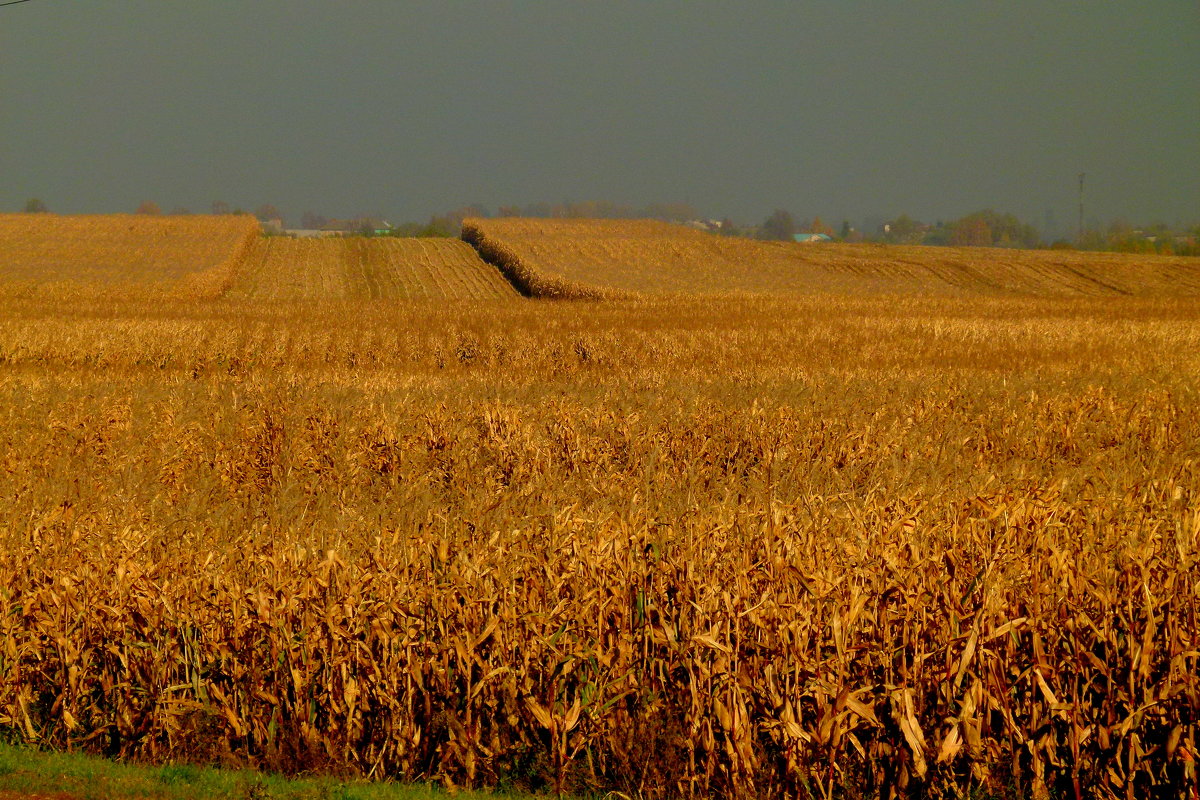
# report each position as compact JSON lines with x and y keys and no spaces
{"x":24,"y":771}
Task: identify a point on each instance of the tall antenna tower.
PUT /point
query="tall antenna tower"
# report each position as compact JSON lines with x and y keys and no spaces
{"x":1079,"y":235}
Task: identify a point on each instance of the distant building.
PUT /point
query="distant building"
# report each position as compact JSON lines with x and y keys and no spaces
{"x":812,"y":237}
{"x":338,"y":227}
{"x":310,"y":233}
{"x":274,"y":226}
{"x":344,"y":227}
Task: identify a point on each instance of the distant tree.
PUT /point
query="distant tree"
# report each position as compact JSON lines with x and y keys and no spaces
{"x":473,"y":210}
{"x":220,"y":207}
{"x":971,"y":231}
{"x":179,"y":211}
{"x":150,"y":208}
{"x":1119,"y":228}
{"x":35,"y":206}
{"x":846,"y":230}
{"x":903,"y":230}
{"x":508,"y":211}
{"x":267,"y":212}
{"x":938,"y":235}
{"x":731,"y":228}
{"x":1091,"y":239}
{"x":312,"y":222}
{"x":450,"y":223}
{"x":602,"y":209}
{"x":443,"y":225}
{"x":989,"y":228}
{"x":779,"y":226}
{"x":587,"y":209}
{"x":608,"y":210}
{"x":671,"y":212}
{"x":1123,"y":238}
{"x":817,"y":226}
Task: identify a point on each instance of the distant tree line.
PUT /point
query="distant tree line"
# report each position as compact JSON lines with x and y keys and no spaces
{"x":599,"y":209}
{"x":782,"y":226}
{"x":988,"y":228}
{"x":985,"y":228}
{"x":450,"y":222}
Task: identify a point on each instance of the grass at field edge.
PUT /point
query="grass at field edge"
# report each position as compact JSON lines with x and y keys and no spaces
{"x":44,"y":775}
{"x":26,"y":772}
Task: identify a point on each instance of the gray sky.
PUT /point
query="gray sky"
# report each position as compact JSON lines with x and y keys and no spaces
{"x":838,"y":109}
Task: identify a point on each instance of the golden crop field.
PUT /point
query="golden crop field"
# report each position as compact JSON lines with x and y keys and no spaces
{"x":98,"y":255}
{"x":669,"y":549}
{"x":436,"y":270}
{"x":119,"y":256}
{"x":606,"y":258}
{"x":812,"y":545}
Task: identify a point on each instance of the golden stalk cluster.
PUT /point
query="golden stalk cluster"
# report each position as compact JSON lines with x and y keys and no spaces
{"x":814,"y":547}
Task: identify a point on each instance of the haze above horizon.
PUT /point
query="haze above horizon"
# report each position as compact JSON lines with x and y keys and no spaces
{"x":845,"y":110}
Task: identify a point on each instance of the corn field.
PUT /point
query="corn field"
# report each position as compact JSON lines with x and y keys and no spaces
{"x":826,"y":546}
{"x":620,"y":258}
{"x":356,"y":268}
{"x":115,"y":257}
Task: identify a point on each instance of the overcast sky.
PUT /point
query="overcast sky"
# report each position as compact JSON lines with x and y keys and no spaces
{"x":843,"y":109}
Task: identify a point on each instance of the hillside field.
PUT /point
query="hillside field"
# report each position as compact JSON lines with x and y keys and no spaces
{"x":616,"y":258}
{"x":117,"y":257}
{"x":120,"y":254}
{"x":429,"y":270}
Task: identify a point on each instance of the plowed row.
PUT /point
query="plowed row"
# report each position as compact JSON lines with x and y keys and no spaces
{"x":355,"y":268}
{"x":622,"y":257}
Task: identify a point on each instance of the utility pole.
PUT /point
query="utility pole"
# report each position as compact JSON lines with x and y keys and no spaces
{"x":1079,"y":236}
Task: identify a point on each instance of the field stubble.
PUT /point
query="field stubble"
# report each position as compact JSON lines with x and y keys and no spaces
{"x":114,"y":257}
{"x":590,"y":258}
{"x":740,"y":548}
{"x":357,"y":268}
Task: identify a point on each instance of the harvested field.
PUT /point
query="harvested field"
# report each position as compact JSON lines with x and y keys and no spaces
{"x":834,"y":546}
{"x":612,"y":258}
{"x":368,"y":269}
{"x":121,"y":257}
{"x":49,"y":254}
